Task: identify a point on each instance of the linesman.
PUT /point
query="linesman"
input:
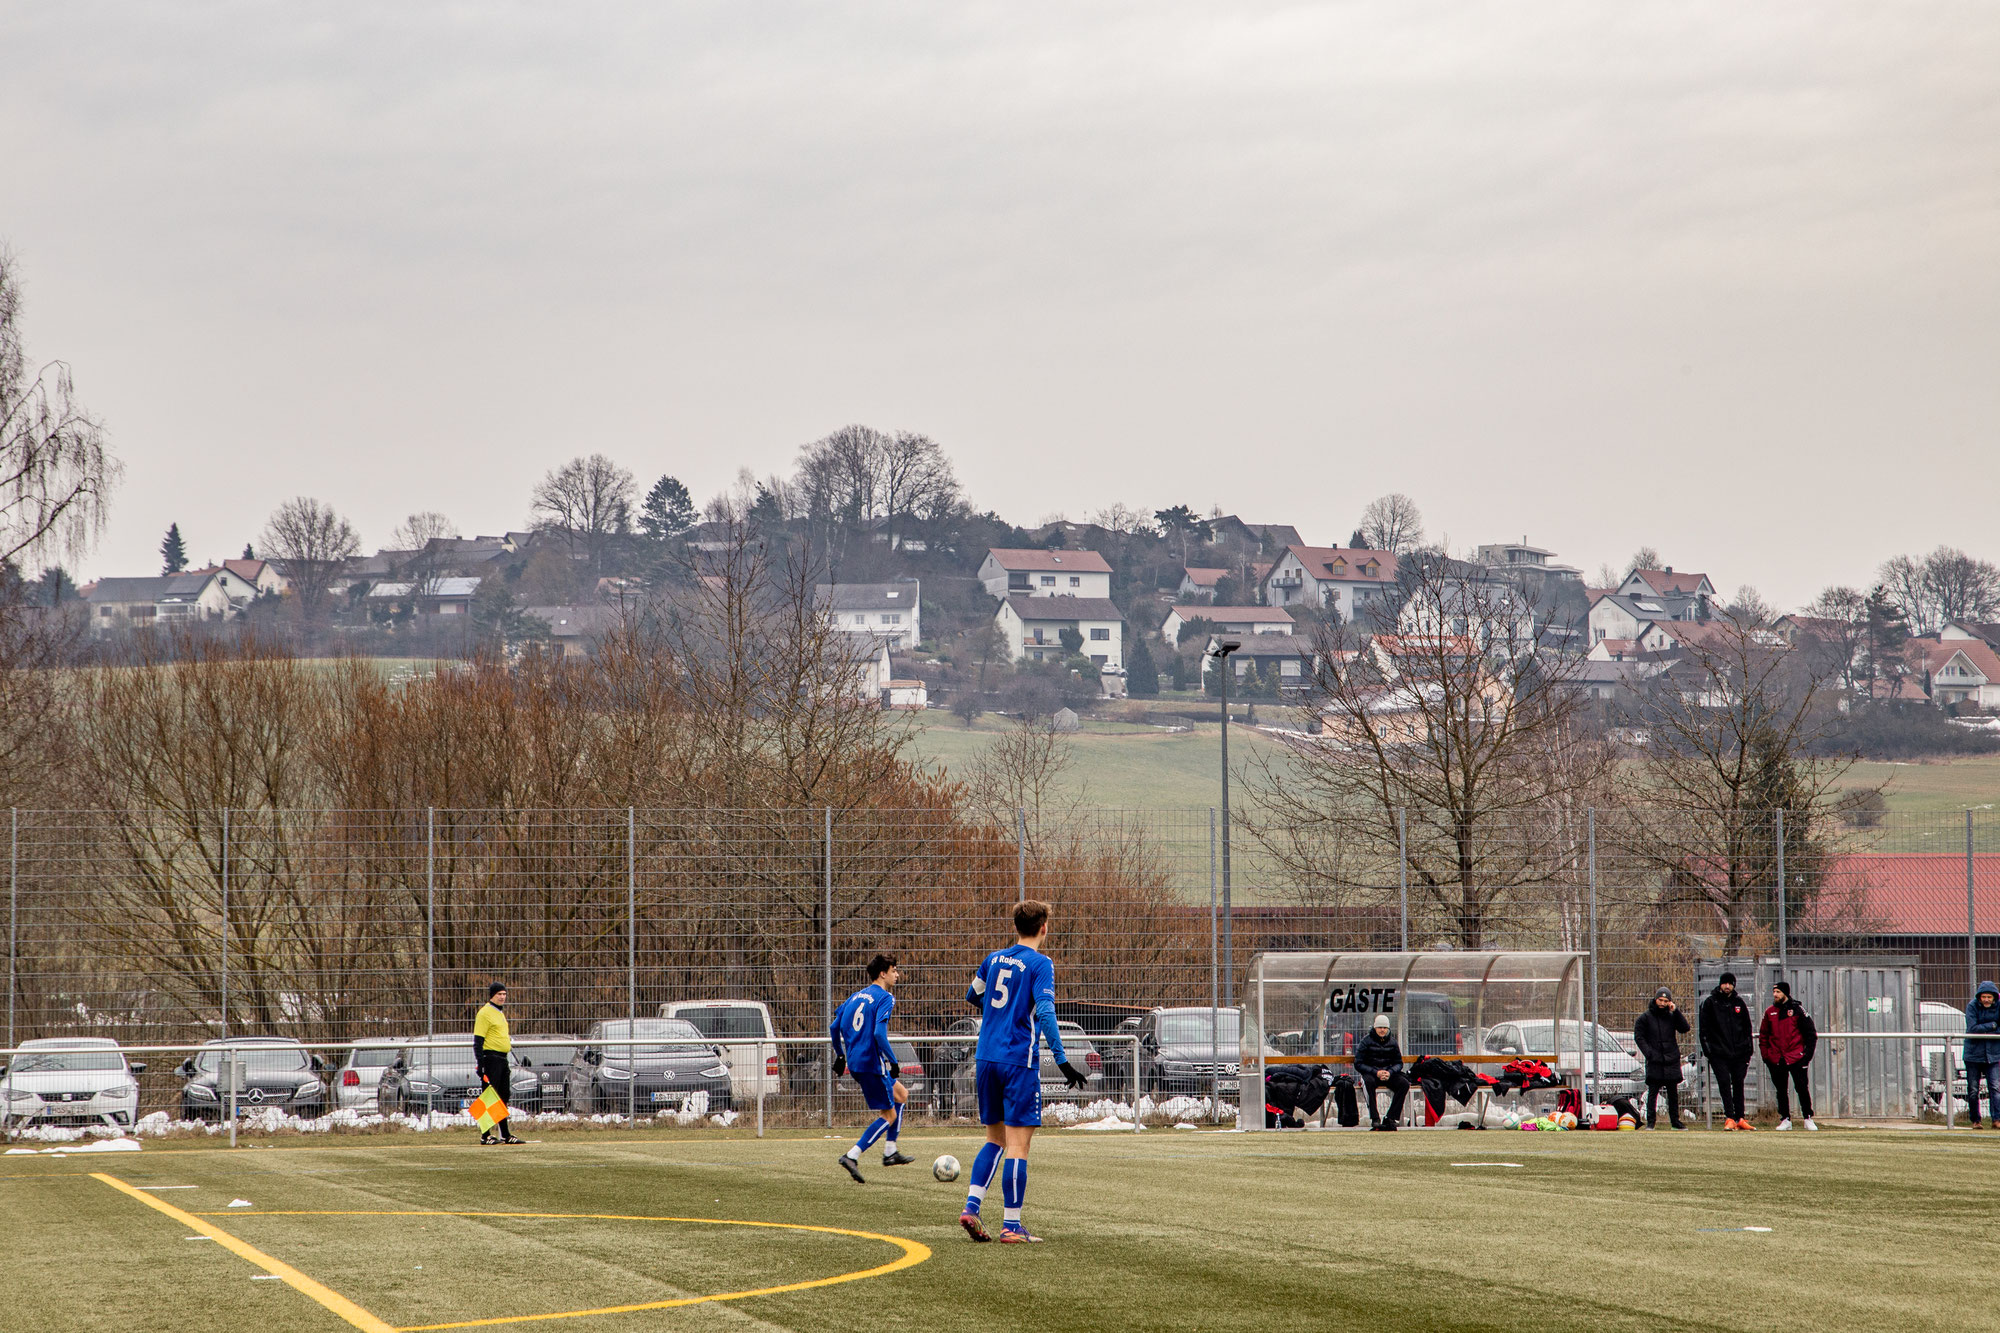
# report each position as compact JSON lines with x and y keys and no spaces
{"x":490,"y":1046}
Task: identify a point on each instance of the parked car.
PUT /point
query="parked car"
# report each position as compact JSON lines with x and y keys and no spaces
{"x":277,"y":1072}
{"x":1078,"y":1047}
{"x":1619,"y":1073}
{"x":1186,"y":1050}
{"x":744,"y":1030}
{"x":674,"y":1062}
{"x":70,"y":1081}
{"x":355,"y":1081}
{"x":446,"y":1079}
{"x":1944,"y":1053}
{"x":910,"y":1069}
{"x":547,"y":1055}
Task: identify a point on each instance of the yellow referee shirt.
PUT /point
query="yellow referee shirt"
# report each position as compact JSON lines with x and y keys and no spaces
{"x":491,"y":1027}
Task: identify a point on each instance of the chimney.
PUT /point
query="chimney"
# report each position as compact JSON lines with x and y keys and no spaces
{"x":1668,"y":570}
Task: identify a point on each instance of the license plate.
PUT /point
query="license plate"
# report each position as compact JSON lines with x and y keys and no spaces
{"x":663,"y":1097}
{"x":464,"y":1104}
{"x":1230,"y":1085}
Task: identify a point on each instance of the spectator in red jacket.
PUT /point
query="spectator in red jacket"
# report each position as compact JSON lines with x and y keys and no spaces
{"x":1787,"y":1040}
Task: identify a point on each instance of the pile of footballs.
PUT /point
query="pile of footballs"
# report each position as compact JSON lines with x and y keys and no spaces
{"x":1562,"y":1120}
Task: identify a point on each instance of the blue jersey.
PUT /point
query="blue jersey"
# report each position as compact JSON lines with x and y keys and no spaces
{"x":860,"y":1031}
{"x":1015,"y":989}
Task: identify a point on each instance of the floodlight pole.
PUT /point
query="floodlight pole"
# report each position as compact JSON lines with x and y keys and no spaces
{"x":1220,"y":649}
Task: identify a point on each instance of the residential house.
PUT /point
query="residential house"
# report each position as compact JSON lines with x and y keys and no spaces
{"x":1497,"y":615}
{"x":1232,"y":620}
{"x":1622,"y":615}
{"x":1033,"y":627}
{"x":1523,"y":564}
{"x":1666,"y":583}
{"x":1280,"y":657}
{"x":887,"y":609}
{"x":1961,"y":672}
{"x":907,"y":695}
{"x":869,"y":667}
{"x":1262,"y":538}
{"x":1198,"y":583}
{"x":259,"y":577}
{"x":165,"y":599}
{"x":448,"y":596}
{"x":574,"y":631}
{"x":1357,"y":584}
{"x":1036,"y":573}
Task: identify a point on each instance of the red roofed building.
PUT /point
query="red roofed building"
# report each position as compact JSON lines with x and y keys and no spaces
{"x":1910,"y":902}
{"x":1963,"y":671}
{"x":1038,"y":573}
{"x":1353,"y":581}
{"x":1666,"y":583}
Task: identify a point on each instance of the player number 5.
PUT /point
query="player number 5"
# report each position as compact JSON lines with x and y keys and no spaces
{"x":1000,"y":990}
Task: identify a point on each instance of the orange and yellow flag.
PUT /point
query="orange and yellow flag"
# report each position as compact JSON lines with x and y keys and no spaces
{"x":487,"y":1109}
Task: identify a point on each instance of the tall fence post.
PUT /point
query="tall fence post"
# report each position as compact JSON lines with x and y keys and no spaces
{"x":1020,"y":854}
{"x":430,"y":920}
{"x":826,"y":979}
{"x":225,"y":945}
{"x":1971,"y":927}
{"x":14,"y":911}
{"x":631,"y":962}
{"x":1214,"y":998}
{"x":1784,"y":926}
{"x":1596,"y":1066}
{"x":1403,"y":870}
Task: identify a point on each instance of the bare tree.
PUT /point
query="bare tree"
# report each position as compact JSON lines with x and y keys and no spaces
{"x":422,"y":535}
{"x":1834,"y":633}
{"x":1732,"y":727}
{"x":1945,"y":585}
{"x":308,"y":541}
{"x":1026,"y":769}
{"x":1464,"y":743}
{"x":56,"y":475}
{"x":1125,"y":521}
{"x":1392,"y":523}
{"x":588,"y":503}
{"x":1749,"y":607}
{"x":918,"y":484}
{"x":1646,"y":557}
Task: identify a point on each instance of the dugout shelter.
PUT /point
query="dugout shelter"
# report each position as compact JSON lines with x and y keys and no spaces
{"x":1311,"y":1007}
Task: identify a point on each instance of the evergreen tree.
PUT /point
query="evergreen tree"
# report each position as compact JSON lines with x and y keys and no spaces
{"x":249,"y":551}
{"x":1888,"y":629}
{"x":1142,"y":678}
{"x":55,"y":587}
{"x":668,"y":510}
{"x":173,"y":551}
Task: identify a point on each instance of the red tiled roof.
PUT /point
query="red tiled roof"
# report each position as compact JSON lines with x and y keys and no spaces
{"x":1203,"y":578}
{"x":1047,"y":562}
{"x":1906,"y":893}
{"x":1935,"y":653}
{"x":1665,"y":583}
{"x":1235,"y":614}
{"x":1344,"y":562}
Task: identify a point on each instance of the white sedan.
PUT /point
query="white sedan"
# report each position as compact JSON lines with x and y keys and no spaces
{"x":70,"y":1081}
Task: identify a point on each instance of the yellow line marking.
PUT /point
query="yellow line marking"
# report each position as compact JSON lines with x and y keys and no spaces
{"x":914,"y":1253}
{"x":291,"y":1277}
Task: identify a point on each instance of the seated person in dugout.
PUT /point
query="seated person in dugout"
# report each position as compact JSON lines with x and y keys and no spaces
{"x":1378,"y":1063}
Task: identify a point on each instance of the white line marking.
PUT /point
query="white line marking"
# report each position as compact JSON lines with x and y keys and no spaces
{"x":1486,"y":1164}
{"x":168,"y":1187}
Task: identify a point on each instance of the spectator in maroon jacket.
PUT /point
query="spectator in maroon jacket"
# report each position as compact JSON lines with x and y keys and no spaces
{"x":1787,"y":1040}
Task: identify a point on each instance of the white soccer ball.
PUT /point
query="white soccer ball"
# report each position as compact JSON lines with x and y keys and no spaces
{"x":945,"y":1168}
{"x":1512,"y":1120}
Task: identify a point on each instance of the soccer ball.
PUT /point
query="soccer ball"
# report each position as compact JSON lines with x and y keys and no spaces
{"x":1512,"y":1120}
{"x":1566,"y":1120}
{"x":945,"y":1168}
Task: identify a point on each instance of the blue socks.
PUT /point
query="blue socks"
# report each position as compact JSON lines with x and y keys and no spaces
{"x":1013,"y":1188}
{"x":868,"y":1136}
{"x":983,"y":1167}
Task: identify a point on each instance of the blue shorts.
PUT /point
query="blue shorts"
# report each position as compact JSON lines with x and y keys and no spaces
{"x":1008,"y":1094}
{"x":875,"y":1090}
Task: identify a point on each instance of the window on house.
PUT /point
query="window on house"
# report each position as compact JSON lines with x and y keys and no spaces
{"x":1101,"y":634}
{"x":892,"y":618}
{"x":1048,"y":580}
{"x":1075,"y":581}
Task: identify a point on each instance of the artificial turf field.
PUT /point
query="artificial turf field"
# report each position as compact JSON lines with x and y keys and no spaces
{"x":1165,"y":1230}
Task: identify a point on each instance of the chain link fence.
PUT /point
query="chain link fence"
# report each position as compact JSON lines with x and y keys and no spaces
{"x":341,"y":926}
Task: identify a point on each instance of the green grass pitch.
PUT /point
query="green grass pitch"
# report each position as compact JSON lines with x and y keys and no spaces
{"x":1165,"y":1230}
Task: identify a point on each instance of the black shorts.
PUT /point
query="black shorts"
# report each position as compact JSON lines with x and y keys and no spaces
{"x":494,"y":1066}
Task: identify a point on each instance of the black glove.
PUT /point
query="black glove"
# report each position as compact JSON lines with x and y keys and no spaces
{"x":1072,"y":1075}
{"x":839,"y":1065}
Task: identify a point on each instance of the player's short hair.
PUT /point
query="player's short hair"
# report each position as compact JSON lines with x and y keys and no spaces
{"x":1030,"y":915}
{"x":879,"y":964}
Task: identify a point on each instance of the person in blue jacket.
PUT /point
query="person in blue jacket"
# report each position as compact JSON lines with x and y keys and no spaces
{"x":1982,"y":1058}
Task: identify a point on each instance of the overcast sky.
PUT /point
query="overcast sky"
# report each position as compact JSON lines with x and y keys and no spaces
{"x":1719,"y":278}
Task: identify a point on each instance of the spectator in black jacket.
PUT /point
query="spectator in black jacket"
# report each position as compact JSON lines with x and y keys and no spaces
{"x":1378,"y":1063}
{"x":1656,"y":1032}
{"x":1728,"y":1040}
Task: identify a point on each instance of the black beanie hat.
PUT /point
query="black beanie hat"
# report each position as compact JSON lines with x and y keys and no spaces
{"x":495,"y":989}
{"x":1784,"y":986}
{"x":1728,"y":979}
